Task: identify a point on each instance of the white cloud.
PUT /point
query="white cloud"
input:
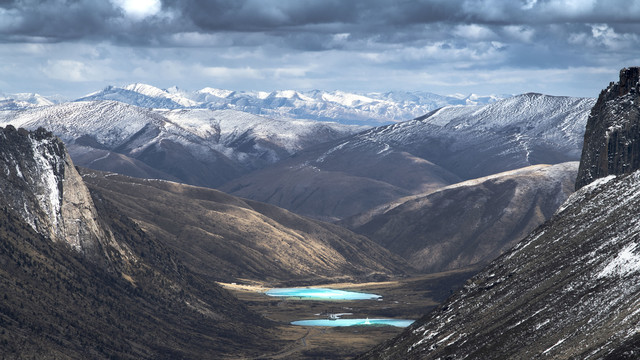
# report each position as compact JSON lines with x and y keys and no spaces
{"x":529,"y":4}
{"x":69,"y":70}
{"x":220,"y":72}
{"x":571,"y":7}
{"x":196,"y":39}
{"x":78,"y":71}
{"x":474,"y":32}
{"x":139,"y":9}
{"x":520,"y":33}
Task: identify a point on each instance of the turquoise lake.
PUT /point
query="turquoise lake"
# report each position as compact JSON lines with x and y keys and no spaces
{"x":354,"y":322}
{"x":321,"y":294}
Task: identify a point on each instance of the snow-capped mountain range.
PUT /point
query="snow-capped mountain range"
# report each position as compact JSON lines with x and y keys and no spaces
{"x":23,"y":101}
{"x":210,"y":138}
{"x":197,"y":146}
{"x":443,"y":147}
{"x":370,"y":109}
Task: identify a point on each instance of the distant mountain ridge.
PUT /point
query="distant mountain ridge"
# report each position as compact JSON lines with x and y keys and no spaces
{"x":443,"y":147}
{"x":195,"y":146}
{"x":23,"y":101}
{"x":348,"y":108}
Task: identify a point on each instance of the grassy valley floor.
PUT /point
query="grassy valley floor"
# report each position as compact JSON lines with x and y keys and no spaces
{"x":408,"y":298}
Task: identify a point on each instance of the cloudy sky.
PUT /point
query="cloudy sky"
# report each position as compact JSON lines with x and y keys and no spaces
{"x":558,"y":47}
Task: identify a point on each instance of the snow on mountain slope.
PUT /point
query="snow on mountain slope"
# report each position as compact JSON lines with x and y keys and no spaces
{"x":476,"y":141}
{"x":141,"y":95}
{"x":40,"y":183}
{"x":23,"y":101}
{"x":349,"y":108}
{"x":569,"y":290}
{"x":368,"y":109}
{"x":198,"y":146}
{"x":109,"y":122}
{"x":444,"y":147}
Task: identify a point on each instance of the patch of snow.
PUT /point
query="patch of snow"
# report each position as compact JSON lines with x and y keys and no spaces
{"x":49,"y":197}
{"x":626,"y":262}
{"x":555,"y":345}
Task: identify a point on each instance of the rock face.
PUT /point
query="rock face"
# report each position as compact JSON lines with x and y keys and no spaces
{"x":612,"y":136}
{"x":41,"y":184}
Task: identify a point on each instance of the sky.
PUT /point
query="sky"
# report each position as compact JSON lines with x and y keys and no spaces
{"x":556,"y":47}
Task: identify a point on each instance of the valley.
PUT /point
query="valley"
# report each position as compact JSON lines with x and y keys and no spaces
{"x":406,"y":298}
{"x":198,"y":211}
{"x":319,"y":180}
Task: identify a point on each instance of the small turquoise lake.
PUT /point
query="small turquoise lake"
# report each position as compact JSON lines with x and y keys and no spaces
{"x":321,"y":294}
{"x":354,"y":322}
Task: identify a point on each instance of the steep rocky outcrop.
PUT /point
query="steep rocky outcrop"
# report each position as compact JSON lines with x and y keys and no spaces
{"x":612,"y":136}
{"x":41,"y":184}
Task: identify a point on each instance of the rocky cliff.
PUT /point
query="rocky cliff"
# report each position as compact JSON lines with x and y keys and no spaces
{"x":41,"y":184}
{"x":612,"y":137}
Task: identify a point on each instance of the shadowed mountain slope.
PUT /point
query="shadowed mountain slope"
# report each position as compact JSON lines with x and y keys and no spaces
{"x":336,"y":180}
{"x":468,"y":223}
{"x":569,"y":290}
{"x":227,"y":238}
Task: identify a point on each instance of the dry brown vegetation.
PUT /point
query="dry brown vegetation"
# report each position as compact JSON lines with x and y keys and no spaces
{"x":225,"y":238}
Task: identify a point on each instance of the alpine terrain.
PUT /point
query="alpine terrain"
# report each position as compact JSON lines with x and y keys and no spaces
{"x":370,"y":109}
{"x":568,"y":290}
{"x":227,"y":238}
{"x":345,"y":177}
{"x":198,"y":146}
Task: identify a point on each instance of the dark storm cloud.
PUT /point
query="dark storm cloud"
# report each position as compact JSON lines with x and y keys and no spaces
{"x":55,"y":20}
{"x":309,"y":42}
{"x":305,"y":24}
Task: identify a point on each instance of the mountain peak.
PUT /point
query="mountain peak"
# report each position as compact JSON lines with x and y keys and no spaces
{"x":629,"y":80}
{"x":612,"y":137}
{"x":145,"y":89}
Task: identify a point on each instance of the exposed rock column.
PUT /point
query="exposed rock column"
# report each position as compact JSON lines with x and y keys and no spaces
{"x":612,"y":137}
